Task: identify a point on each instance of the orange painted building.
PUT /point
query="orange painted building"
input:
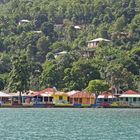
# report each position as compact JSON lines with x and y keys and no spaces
{"x":82,"y":97}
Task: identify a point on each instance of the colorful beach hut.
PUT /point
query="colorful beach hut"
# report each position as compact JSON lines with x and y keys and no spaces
{"x":5,"y":99}
{"x":82,"y":98}
{"x":26,"y":98}
{"x":106,"y":98}
{"x":44,"y":96}
{"x":50,"y":96}
{"x":130,"y":98}
{"x":60,"y":98}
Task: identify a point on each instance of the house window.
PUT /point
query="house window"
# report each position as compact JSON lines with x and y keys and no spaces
{"x":60,"y":98}
{"x":76,"y":100}
{"x":46,"y":99}
{"x":40,"y":99}
{"x":51,"y":99}
{"x":134,"y":99}
{"x":101,"y":100}
{"x":121,"y":99}
{"x":126,"y":99}
{"x":80,"y":100}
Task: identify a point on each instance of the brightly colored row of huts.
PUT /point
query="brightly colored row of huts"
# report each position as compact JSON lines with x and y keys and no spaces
{"x":50,"y":97}
{"x":129,"y":98}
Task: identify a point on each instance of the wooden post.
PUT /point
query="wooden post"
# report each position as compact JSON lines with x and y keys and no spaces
{"x":48,"y":99}
{"x":73,"y":100}
{"x":21,"y":99}
{"x":43,"y":99}
{"x":1,"y":101}
{"x":11,"y":100}
{"x":78,"y":101}
{"x":90,"y":99}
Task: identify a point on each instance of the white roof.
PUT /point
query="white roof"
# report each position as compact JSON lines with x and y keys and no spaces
{"x":46,"y":95}
{"x":98,"y":39}
{"x":130,"y":95}
{"x":37,"y":32}
{"x":103,"y":96}
{"x":24,"y":20}
{"x":2,"y":94}
{"x":23,"y":94}
{"x":60,"y":53}
{"x":77,"y":27}
{"x":63,"y":52}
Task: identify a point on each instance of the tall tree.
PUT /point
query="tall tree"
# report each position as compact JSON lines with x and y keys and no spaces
{"x":48,"y":29}
{"x":78,"y":77}
{"x":19,"y":76}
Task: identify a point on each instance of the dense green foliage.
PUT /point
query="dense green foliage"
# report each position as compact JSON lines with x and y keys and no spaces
{"x":41,"y":29}
{"x":97,"y":86}
{"x":20,"y":75}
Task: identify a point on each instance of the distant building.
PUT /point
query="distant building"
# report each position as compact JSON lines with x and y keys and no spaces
{"x":38,"y":32}
{"x":77,"y":27}
{"x":23,"y":21}
{"x":93,"y":43}
{"x":120,"y":35}
{"x":87,"y":52}
{"x":106,"y":97}
{"x":60,"y":53}
{"x":130,"y":98}
{"x":81,"y":97}
{"x":58,"y":26}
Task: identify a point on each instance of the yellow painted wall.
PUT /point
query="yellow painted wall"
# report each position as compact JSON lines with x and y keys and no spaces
{"x":88,"y":101}
{"x":65,"y":97}
{"x":84,"y":100}
{"x":56,"y":97}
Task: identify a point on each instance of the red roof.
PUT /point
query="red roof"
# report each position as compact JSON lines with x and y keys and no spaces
{"x":82,"y":94}
{"x":131,"y":92}
{"x":47,"y":90}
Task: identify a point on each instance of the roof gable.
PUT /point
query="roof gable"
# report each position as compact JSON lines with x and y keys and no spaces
{"x":82,"y":94}
{"x":130,"y":92}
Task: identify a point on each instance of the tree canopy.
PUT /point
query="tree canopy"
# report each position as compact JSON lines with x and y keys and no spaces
{"x":54,"y":36}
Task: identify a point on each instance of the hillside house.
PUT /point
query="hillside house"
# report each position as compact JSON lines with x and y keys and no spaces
{"x":23,"y":21}
{"x":93,"y":43}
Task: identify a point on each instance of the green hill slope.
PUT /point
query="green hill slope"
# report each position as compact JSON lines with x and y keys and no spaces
{"x":42,"y":29}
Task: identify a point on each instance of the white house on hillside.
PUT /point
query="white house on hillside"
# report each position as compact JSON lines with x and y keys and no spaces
{"x":23,"y":21}
{"x":93,"y":43}
{"x":60,"y":53}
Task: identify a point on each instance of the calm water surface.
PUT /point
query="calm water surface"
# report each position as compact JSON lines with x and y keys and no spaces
{"x":69,"y":124}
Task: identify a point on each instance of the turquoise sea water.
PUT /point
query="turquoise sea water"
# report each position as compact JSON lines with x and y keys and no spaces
{"x":69,"y":124}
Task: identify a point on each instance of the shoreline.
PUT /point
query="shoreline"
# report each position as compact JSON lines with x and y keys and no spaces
{"x":69,"y":107}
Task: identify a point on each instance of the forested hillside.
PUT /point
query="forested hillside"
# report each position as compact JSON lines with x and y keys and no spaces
{"x":44,"y":43}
